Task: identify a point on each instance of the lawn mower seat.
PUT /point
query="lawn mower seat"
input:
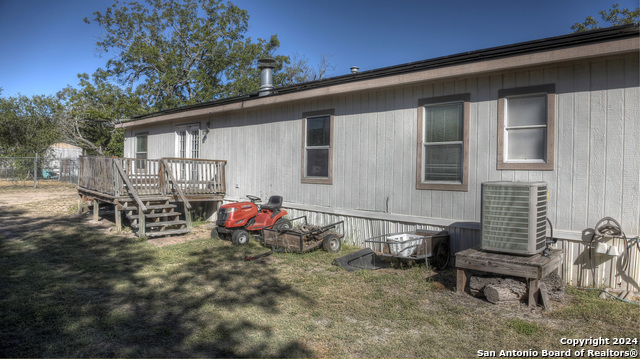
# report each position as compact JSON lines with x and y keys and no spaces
{"x":274,"y":204}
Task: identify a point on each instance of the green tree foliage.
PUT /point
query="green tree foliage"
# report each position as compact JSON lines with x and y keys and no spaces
{"x":162,"y":54}
{"x":28,"y":126}
{"x":92,"y":111}
{"x":612,"y":17}
{"x":180,"y":52}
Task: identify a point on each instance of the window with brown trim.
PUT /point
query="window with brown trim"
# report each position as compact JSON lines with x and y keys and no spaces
{"x":443,"y":143}
{"x":317,"y":147}
{"x":526,"y":127}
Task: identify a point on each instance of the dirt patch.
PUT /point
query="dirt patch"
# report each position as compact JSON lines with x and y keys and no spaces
{"x":12,"y":194}
{"x":32,"y":207}
{"x":27,"y":208}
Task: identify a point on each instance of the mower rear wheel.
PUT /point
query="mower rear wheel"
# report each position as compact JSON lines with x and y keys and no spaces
{"x":332,"y":243}
{"x":240,"y":237}
{"x":282,"y":223}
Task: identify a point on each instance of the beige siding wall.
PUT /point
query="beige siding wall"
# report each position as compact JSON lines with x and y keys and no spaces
{"x":597,"y":171}
{"x":160,"y":141}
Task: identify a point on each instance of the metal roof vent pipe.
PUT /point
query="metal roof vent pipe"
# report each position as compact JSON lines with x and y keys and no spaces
{"x":266,"y":67}
{"x":355,"y":69}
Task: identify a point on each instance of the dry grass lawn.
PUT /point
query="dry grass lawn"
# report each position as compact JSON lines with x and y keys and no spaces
{"x":73,"y":288}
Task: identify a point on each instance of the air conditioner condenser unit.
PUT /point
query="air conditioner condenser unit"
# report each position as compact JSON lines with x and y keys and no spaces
{"x":514,"y":217}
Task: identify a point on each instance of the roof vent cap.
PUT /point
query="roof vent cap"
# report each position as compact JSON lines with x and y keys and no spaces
{"x":266,"y":67}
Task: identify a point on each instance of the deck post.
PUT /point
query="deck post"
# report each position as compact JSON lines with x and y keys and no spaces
{"x":118,"y":215}
{"x":96,"y":210}
{"x":116,"y":179}
{"x":461,"y":280}
{"x":80,"y":203}
{"x":142,"y":223}
{"x":534,"y":287}
{"x":187,"y":218}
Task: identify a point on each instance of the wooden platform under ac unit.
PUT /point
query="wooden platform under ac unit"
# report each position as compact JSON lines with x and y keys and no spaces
{"x":533,"y":268}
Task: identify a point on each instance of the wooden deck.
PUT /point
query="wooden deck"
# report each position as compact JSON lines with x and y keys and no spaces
{"x":150,"y":189}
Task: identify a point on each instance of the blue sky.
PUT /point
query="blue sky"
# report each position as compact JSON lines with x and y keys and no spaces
{"x":44,"y":44}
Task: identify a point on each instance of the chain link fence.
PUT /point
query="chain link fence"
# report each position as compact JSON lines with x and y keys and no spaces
{"x":39,"y":168}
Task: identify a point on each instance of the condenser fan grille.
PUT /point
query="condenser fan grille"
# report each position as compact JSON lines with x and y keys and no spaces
{"x":514,"y":216}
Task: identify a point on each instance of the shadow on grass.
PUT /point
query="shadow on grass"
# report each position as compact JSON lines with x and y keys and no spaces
{"x":68,"y":290}
{"x":445,"y":277}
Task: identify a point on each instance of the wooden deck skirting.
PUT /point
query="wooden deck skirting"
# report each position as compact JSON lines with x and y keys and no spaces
{"x":145,"y":188}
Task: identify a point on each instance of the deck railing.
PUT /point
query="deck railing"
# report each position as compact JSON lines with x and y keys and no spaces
{"x":98,"y":174}
{"x":146,"y":176}
{"x":197,"y":176}
{"x":151,"y":177}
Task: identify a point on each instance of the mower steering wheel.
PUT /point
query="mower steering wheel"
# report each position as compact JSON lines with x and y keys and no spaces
{"x":253,"y":198}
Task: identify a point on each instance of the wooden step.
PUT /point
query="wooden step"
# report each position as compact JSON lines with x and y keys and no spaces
{"x":160,"y":224}
{"x":154,"y":215}
{"x":151,"y":207}
{"x":171,"y":232}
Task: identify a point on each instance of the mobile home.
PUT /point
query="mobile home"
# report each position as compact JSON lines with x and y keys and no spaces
{"x":409,"y":146}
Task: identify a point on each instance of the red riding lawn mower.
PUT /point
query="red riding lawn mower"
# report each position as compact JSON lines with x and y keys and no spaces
{"x":237,"y":220}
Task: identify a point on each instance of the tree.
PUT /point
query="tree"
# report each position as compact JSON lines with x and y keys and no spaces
{"x":181,"y":52}
{"x":298,"y":70}
{"x":28,"y":126}
{"x":613,"y":17}
{"x":90,"y":114}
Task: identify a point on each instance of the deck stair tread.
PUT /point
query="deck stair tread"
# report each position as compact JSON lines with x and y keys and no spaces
{"x":160,"y":224}
{"x":160,"y":214}
{"x":155,"y":215}
{"x":146,"y":199}
{"x":151,"y":207}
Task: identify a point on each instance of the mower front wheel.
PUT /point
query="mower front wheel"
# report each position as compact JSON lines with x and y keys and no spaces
{"x":240,"y":237}
{"x":332,"y":243}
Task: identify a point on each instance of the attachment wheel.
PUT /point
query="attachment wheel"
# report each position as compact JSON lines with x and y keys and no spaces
{"x":440,"y":258}
{"x":332,"y":243}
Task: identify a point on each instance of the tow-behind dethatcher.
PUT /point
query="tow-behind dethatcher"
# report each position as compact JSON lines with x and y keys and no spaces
{"x":304,"y":238}
{"x":300,"y":239}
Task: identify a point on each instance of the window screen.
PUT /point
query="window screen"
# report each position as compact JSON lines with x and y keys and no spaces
{"x":443,"y":140}
{"x":317,"y":147}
